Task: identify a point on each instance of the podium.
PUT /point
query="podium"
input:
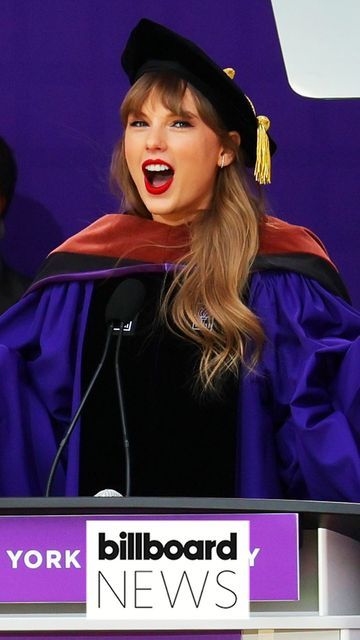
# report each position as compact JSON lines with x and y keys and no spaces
{"x":329,"y":604}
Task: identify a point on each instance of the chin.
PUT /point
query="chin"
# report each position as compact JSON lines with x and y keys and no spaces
{"x":157,"y":210}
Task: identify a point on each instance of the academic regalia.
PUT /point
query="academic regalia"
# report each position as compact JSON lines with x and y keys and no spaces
{"x":297,"y":424}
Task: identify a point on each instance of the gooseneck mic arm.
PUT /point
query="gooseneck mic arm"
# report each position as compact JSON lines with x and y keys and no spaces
{"x":78,"y":412}
{"x":135,"y":294}
{"x":123,"y":415}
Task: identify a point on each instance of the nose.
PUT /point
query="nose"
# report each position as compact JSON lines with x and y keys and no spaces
{"x":156,"y":139}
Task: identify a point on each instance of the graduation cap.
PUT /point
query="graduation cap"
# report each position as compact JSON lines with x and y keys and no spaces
{"x":152,"y":47}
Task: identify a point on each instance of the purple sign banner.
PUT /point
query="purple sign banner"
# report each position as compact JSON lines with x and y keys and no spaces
{"x":43,"y":558}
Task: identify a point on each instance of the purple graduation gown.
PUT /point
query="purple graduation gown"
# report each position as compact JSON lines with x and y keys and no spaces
{"x":298,"y":423}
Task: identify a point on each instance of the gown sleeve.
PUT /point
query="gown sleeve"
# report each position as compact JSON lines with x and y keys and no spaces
{"x":311,"y":368}
{"x":40,"y":356}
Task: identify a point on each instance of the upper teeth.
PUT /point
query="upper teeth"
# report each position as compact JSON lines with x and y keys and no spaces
{"x":157,"y":167}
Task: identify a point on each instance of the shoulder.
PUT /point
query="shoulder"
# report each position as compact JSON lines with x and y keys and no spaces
{"x":279,"y":237}
{"x":12,"y":286}
{"x":118,"y":235}
{"x":112,"y":243}
{"x":293,"y":308}
{"x":284,"y":247}
{"x":103,"y":237}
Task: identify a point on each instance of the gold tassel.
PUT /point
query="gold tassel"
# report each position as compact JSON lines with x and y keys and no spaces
{"x":230,"y":72}
{"x":262,"y":171}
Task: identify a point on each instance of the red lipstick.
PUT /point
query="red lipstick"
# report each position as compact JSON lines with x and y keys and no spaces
{"x":157,"y":180}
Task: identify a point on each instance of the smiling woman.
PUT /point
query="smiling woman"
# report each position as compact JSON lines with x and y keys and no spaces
{"x":240,"y":372}
{"x":180,"y":125}
{"x":166,"y":154}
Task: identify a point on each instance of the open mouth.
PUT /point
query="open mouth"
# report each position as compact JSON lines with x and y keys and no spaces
{"x":158,"y":176}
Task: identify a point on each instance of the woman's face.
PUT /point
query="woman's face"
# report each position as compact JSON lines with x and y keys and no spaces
{"x":173,"y":160}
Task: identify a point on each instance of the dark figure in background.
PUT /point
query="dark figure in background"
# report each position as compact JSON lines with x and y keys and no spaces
{"x":12,"y":283}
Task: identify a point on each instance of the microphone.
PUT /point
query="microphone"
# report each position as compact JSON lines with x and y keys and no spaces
{"x":108,"y":493}
{"x":123,"y":305}
{"x":135,"y":295}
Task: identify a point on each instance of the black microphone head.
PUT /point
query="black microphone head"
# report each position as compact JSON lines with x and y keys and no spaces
{"x":125,"y":302}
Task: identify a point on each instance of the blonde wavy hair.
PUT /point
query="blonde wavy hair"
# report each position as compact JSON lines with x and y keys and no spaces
{"x":215,"y":268}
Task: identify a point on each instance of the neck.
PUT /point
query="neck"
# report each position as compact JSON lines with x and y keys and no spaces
{"x":175,"y":220}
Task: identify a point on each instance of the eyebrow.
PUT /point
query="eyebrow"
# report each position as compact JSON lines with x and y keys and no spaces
{"x":190,"y":114}
{"x":136,"y":114}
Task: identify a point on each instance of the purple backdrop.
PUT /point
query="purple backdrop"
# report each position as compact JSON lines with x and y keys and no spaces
{"x":61,"y":85}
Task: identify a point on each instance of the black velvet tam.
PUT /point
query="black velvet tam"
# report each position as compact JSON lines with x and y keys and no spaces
{"x":153,"y":47}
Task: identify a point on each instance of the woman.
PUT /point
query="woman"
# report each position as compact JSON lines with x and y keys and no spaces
{"x":240,"y":376}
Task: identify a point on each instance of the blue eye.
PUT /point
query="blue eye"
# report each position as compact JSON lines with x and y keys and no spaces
{"x":181,"y":124}
{"x":137,"y":123}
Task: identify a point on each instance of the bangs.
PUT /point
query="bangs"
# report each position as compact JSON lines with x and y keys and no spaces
{"x":170,"y":89}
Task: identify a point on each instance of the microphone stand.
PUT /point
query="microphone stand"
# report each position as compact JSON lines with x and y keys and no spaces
{"x":124,"y":303}
{"x":76,"y":416}
{"x":122,"y":413}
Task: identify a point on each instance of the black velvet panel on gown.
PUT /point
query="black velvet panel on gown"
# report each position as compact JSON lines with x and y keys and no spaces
{"x":180,"y":445}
